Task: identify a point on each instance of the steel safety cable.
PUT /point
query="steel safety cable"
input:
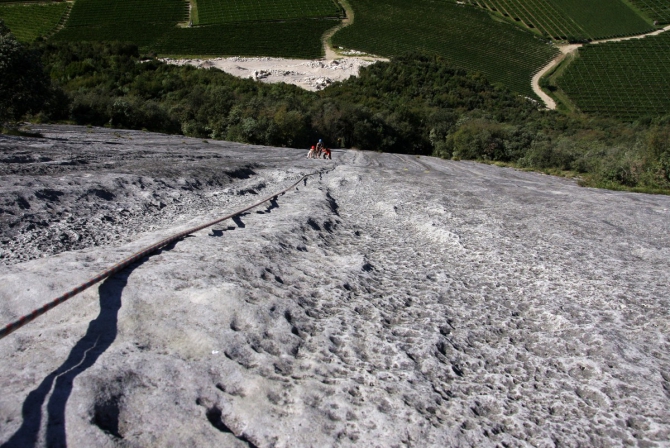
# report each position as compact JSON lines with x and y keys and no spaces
{"x":23,"y":320}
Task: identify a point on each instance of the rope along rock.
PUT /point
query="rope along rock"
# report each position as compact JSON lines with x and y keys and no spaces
{"x":23,"y":320}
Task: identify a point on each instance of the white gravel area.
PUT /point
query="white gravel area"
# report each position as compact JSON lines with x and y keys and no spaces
{"x":309,"y":74}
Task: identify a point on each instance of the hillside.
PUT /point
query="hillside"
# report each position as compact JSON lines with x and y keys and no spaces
{"x":507,"y":41}
{"x":389,"y":300}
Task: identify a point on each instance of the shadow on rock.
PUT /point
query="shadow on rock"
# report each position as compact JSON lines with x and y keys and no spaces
{"x":273,"y":205}
{"x":238,"y":222}
{"x":100,"y":334}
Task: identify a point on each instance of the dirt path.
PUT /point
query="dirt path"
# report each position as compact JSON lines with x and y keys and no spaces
{"x":329,"y":51}
{"x":565,"y":51}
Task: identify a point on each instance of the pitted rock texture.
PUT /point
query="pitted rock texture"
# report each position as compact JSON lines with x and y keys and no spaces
{"x":389,"y":301}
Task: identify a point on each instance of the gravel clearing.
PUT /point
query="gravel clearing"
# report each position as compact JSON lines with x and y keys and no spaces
{"x":390,"y":301}
{"x":311,"y":75}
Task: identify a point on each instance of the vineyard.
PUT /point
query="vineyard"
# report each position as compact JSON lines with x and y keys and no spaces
{"x":464,"y":36}
{"x":27,"y":22}
{"x":625,"y":80}
{"x":291,"y":39}
{"x":218,"y":12}
{"x":121,"y":13}
{"x":153,"y":26}
{"x":658,"y":10}
{"x":572,"y":19}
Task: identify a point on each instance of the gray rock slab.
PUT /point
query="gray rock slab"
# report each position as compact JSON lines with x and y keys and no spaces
{"x":390,"y":300}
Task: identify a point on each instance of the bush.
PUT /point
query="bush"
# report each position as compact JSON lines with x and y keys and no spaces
{"x":24,"y":87}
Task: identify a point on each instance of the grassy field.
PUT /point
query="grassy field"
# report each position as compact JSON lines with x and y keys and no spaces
{"x":463,"y":35}
{"x":625,"y":80}
{"x":656,"y":9}
{"x":218,"y":12}
{"x":572,"y":19}
{"x":27,"y":22}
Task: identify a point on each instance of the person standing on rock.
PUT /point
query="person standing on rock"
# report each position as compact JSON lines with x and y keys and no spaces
{"x":319,"y":149}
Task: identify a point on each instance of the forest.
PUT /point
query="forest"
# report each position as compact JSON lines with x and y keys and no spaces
{"x":415,"y":104}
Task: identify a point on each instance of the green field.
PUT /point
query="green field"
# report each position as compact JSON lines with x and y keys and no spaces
{"x":153,"y":26}
{"x":142,"y":22}
{"x":626,"y":80}
{"x":572,"y":19}
{"x":283,"y":39}
{"x":218,"y":11}
{"x":656,"y":9}
{"x":465,"y":36}
{"x":27,"y":22}
{"x":123,"y":13}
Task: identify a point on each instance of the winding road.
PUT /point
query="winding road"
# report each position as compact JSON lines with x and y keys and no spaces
{"x":565,"y":51}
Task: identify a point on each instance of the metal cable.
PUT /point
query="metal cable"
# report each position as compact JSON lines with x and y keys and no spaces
{"x":23,"y":320}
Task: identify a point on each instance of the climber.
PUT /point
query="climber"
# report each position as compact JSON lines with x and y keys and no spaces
{"x":319,"y":148}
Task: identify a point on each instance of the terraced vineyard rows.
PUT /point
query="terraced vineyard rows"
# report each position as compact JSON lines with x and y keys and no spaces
{"x":656,"y":9}
{"x":217,"y":11}
{"x":571,"y":19}
{"x":123,"y":13}
{"x":284,"y":39}
{"x":140,"y":22}
{"x":466,"y":37}
{"x":27,"y":22}
{"x":152,"y":24}
{"x":626,"y":80}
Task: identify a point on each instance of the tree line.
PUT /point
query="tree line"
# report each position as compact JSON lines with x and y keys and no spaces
{"x":414,"y":104}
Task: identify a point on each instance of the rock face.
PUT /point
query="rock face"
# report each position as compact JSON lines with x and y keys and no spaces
{"x":390,"y":301}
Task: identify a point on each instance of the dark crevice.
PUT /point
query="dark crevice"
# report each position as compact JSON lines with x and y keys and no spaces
{"x":332,"y":203}
{"x":106,"y":416}
{"x":313,"y":224}
{"x":214,"y":416}
{"x":241,"y":173}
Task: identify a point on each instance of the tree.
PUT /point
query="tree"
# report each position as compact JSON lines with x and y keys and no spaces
{"x":24,"y":87}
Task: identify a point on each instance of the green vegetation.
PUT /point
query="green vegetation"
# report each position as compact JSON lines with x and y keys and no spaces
{"x":603,"y":19}
{"x":127,"y":13}
{"x":464,"y":36}
{"x":30,"y":21}
{"x":141,"y":22}
{"x":283,"y":39}
{"x":627,"y":80}
{"x":24,"y":87}
{"x":153,"y":26}
{"x":574,"y":20}
{"x":217,"y":11}
{"x":415,"y":104}
{"x":658,"y":10}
